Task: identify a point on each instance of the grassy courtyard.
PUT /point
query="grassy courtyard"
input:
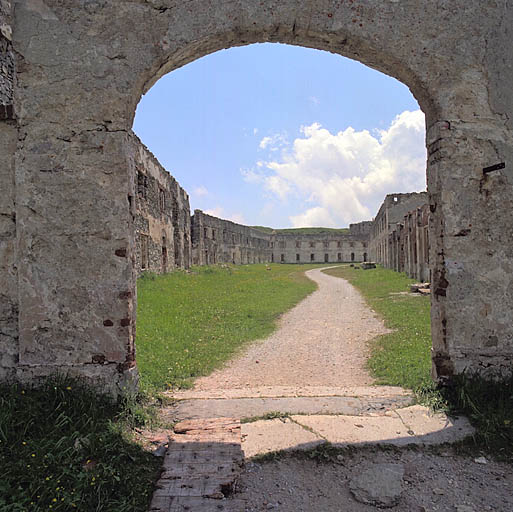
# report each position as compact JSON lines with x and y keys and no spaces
{"x":64,"y":448}
{"x":189,"y":324}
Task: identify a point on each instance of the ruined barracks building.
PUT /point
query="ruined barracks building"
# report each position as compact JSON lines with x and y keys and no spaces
{"x":162,"y":215}
{"x":399,"y":235}
{"x":168,"y":238}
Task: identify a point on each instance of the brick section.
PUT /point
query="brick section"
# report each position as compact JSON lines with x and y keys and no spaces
{"x":201,"y":468}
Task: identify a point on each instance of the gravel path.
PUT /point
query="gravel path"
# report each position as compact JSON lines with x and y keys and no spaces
{"x":320,"y":342}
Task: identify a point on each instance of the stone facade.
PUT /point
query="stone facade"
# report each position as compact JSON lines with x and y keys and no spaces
{"x":408,"y":245}
{"x":391,"y":213}
{"x":80,"y":68}
{"x":222,"y":241}
{"x":9,"y":333}
{"x":6,"y":62}
{"x":162,"y":216}
{"x":327,"y":247}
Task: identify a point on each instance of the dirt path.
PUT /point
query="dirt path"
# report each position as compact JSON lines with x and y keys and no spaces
{"x":312,"y":368}
{"x":320,"y":342}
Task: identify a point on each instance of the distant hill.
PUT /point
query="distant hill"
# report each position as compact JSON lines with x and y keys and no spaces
{"x":303,"y":231}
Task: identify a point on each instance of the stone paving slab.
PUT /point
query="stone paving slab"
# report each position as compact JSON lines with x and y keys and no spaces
{"x":265,"y":436}
{"x":194,"y":504}
{"x":201,"y":466}
{"x":176,"y":470}
{"x":290,"y":391}
{"x":431,"y":428}
{"x":202,"y":456}
{"x":410,"y":426}
{"x":250,"y":407}
{"x":357,"y":430}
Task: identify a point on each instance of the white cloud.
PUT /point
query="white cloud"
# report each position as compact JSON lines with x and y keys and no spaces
{"x":345,"y":175}
{"x":200,"y":191}
{"x":218,"y":211}
{"x":275,"y":184}
{"x":316,"y":216}
{"x":274,"y":142}
{"x":251,"y":176}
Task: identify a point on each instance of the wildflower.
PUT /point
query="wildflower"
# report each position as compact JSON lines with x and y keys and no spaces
{"x":69,"y":388}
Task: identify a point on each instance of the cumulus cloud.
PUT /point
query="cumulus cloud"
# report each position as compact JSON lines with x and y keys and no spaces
{"x":200,"y":191}
{"x":274,"y":142}
{"x":218,"y":211}
{"x":342,"y":177}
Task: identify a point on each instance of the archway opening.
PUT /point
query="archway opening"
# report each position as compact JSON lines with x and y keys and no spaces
{"x":364,"y":162}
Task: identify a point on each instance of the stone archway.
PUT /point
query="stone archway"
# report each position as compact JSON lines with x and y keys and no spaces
{"x":67,"y":245}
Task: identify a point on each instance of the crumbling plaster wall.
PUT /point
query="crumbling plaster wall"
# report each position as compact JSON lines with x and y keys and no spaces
{"x":408,"y":245}
{"x":162,"y":211}
{"x":81,"y":67}
{"x":217,"y":240}
{"x":8,"y":140}
{"x":391,"y":212}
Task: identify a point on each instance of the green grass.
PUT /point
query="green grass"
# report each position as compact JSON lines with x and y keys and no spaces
{"x":304,"y":231}
{"x":188,"y":324}
{"x":272,"y":415}
{"x":64,"y":448}
{"x":403,"y":357}
{"x":489,"y":406}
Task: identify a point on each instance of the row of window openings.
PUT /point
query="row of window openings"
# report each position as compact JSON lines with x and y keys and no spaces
{"x":326,"y":257}
{"x":241,"y":238}
{"x":326,"y":244}
{"x":271,"y":244}
{"x":142,"y":190}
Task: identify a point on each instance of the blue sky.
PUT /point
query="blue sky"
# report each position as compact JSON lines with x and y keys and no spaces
{"x":284,"y":136}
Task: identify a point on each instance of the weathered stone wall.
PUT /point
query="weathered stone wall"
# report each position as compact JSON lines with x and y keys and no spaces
{"x":6,"y":62}
{"x":81,"y":67}
{"x":408,"y":244}
{"x":8,"y":140}
{"x":222,"y":241}
{"x":391,"y":212}
{"x":162,"y":216}
{"x":327,"y":247}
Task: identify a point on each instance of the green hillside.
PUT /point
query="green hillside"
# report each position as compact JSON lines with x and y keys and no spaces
{"x":303,"y":231}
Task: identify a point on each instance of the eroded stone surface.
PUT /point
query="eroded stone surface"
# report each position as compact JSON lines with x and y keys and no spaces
{"x":380,"y":485}
{"x":80,"y":69}
{"x":201,"y":467}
